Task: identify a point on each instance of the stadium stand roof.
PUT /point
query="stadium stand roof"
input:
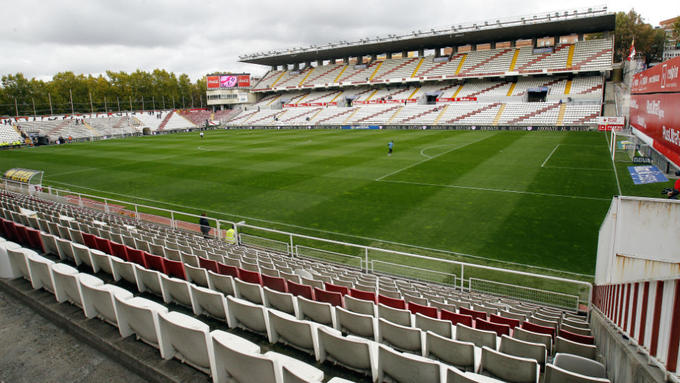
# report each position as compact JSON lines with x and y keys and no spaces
{"x":592,"y":20}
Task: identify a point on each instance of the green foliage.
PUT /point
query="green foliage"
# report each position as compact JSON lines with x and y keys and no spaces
{"x":136,"y":90}
{"x":648,"y":41}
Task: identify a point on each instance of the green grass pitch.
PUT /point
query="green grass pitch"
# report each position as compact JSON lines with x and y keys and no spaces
{"x":535,"y":198}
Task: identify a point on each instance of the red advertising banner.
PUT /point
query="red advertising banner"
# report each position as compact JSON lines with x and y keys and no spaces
{"x":213,"y":82}
{"x":658,"y":117}
{"x":379,"y":101}
{"x":244,"y":81}
{"x":609,"y":123}
{"x":664,"y":77}
{"x":309,"y":104}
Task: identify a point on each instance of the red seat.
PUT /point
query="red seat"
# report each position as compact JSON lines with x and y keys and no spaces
{"x":227,"y":270}
{"x":3,"y":230}
{"x":392,"y":302}
{"x":503,"y":320}
{"x":360,"y":294}
{"x":208,"y":264}
{"x":336,"y":288}
{"x":34,"y":239}
{"x":274,"y":283}
{"x":12,"y":233}
{"x":456,"y":318}
{"x":499,"y":329}
{"x":474,"y":314}
{"x":578,"y":338}
{"x":154,"y":262}
{"x":136,"y":256}
{"x":331,"y":297}
{"x":298,"y":289}
{"x":429,"y":311}
{"x":22,"y":236}
{"x":104,"y":245}
{"x":118,"y":250}
{"x":174,"y":268}
{"x":89,"y":241}
{"x":249,"y":276}
{"x":538,"y":328}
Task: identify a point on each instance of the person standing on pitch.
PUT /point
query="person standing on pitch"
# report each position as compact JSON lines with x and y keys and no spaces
{"x":390,"y":146}
{"x":201,"y":134}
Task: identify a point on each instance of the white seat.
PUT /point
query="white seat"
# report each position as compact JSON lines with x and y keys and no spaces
{"x":197,"y":275}
{"x":7,"y":269}
{"x":567,"y":346}
{"x":463,"y":355}
{"x":241,"y":313}
{"x":124,"y":270}
{"x":98,"y":300}
{"x":249,"y":291}
{"x":355,"y":353}
{"x":187,"y":339}
{"x":516,"y":347}
{"x":40,"y":270}
{"x":303,"y":371}
{"x":206,"y":301}
{"x":285,"y":302}
{"x":355,"y":323}
{"x":398,"y":316}
{"x":290,"y":330}
{"x":148,"y":280}
{"x":580,"y":365}
{"x":50,"y":244}
{"x":139,"y":316}
{"x":102,"y":261}
{"x":67,"y":284}
{"x":176,"y":290}
{"x":319,"y":312}
{"x":221,"y":283}
{"x":400,"y":337}
{"x":66,"y":250}
{"x":404,"y":367}
{"x":533,"y":337}
{"x":438,"y":326}
{"x":480,"y":338}
{"x":453,"y":375}
{"x":360,"y":306}
{"x":554,"y":374}
{"x":239,"y":359}
{"x":18,"y":264}
{"x":509,"y":368}
{"x":81,"y":253}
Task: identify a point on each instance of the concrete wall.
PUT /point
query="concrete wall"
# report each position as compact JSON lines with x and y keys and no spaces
{"x":625,"y":364}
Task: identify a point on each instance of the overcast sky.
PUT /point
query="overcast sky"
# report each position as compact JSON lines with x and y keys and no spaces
{"x":41,"y":38}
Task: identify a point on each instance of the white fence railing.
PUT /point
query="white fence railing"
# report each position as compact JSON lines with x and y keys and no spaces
{"x":404,"y":264}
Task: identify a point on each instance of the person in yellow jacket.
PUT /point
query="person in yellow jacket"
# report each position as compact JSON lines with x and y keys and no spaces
{"x":230,"y":236}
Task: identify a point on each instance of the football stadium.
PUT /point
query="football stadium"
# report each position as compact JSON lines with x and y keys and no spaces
{"x":485,"y":202}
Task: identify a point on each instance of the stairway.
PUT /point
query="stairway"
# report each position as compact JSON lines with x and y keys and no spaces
{"x":470,"y":114}
{"x":534,"y":113}
{"x":165,"y":120}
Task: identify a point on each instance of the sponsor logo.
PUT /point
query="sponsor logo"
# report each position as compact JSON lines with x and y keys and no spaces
{"x":671,"y":135}
{"x":672,"y":73}
{"x":654,"y":108}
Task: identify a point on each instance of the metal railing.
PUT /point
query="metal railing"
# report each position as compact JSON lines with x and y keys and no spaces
{"x":371,"y":259}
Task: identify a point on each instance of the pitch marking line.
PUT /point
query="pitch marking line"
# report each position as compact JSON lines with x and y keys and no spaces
{"x":616,"y":173}
{"x":430,"y":158}
{"x":500,"y":190}
{"x":318,"y":230}
{"x":573,"y":168}
{"x":550,"y":155}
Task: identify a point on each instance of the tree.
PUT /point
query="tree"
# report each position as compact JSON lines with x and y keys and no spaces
{"x":648,"y":41}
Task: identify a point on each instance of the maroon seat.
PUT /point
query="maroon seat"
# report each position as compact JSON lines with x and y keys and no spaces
{"x":499,"y":329}
{"x":154,"y":262}
{"x":22,"y":236}
{"x":274,"y":283}
{"x":227,"y":270}
{"x":455,"y":318}
{"x":298,"y":289}
{"x":3,"y":230}
{"x":336,"y":288}
{"x":11,"y":231}
{"x":538,"y":328}
{"x":503,"y":320}
{"x":578,"y":338}
{"x":174,"y":268}
{"x":360,"y":294}
{"x":429,"y":311}
{"x":89,"y":241}
{"x":34,"y":239}
{"x":249,"y":276}
{"x":392,"y":302}
{"x":118,"y":250}
{"x":474,"y":314}
{"x":208,"y":264}
{"x":136,"y":256}
{"x":331,"y":297}
{"x":104,"y":245}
